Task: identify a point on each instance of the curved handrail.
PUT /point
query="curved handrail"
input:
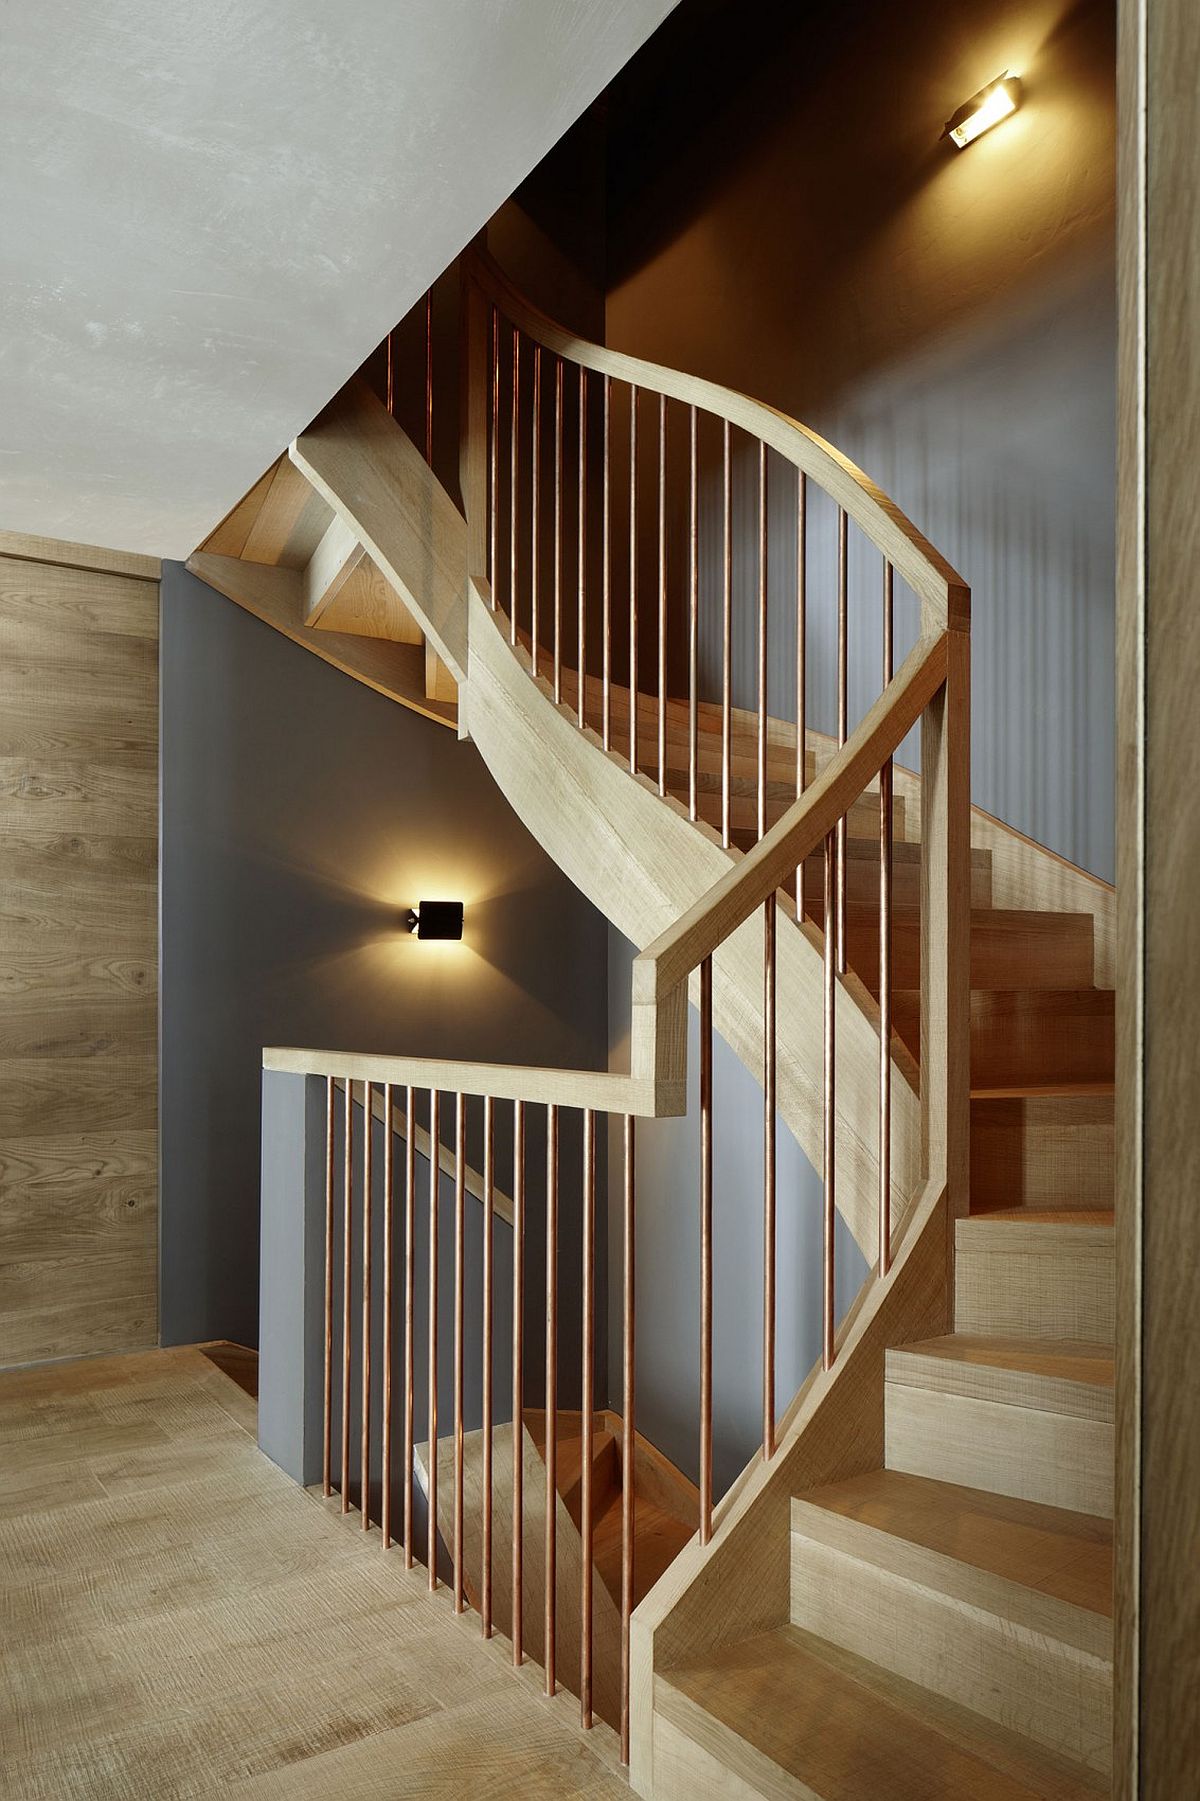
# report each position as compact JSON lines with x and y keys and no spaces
{"x":944,"y":595}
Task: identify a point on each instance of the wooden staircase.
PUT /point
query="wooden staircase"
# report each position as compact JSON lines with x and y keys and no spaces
{"x":909,"y":1596}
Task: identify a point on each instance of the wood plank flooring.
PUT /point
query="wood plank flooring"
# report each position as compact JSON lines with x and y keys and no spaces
{"x":180,"y":1620}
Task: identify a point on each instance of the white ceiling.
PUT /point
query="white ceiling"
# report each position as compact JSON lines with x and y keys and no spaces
{"x":211,"y":212}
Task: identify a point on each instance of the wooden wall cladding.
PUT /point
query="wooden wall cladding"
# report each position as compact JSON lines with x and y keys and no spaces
{"x":78,"y":960}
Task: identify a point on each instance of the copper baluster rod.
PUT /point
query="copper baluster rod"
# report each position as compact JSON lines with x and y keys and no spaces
{"x":769,"y":1107}
{"x":829,"y":1067}
{"x":693,"y":613}
{"x":727,"y":644}
{"x":581,"y":624}
{"x":460,"y":1239}
{"x":706,"y":1265}
{"x":587,"y":1446}
{"x":535,"y":453}
{"x":391,"y":386}
{"x":762,"y":639}
{"x":801,"y":656}
{"x":627,"y":1429}
{"x":327,"y":1460}
{"x":410,"y":1266}
{"x":429,"y":377}
{"x":514,"y":446}
{"x":606,"y":572}
{"x":633,"y":580}
{"x":551,"y":1391}
{"x":435,"y":1134}
{"x":518,"y":1385}
{"x":885,"y":959}
{"x":347,"y":1227}
{"x":843,"y":621}
{"x":489,"y":1210}
{"x":385,"y":1448}
{"x":494,"y":523}
{"x":662,"y":594}
{"x":365,"y":1452}
{"x":558,"y":483}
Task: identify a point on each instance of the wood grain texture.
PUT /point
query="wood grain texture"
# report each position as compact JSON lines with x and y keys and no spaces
{"x":64,"y":554}
{"x":1037,"y":1276}
{"x":78,"y":955}
{"x":182,"y":1622}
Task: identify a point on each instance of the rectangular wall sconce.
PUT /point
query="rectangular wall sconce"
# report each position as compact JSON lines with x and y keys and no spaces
{"x":997,"y":101}
{"x":436,"y":919}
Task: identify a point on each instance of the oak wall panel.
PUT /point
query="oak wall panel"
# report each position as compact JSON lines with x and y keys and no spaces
{"x":78,"y":959}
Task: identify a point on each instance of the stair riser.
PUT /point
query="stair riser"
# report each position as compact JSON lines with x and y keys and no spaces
{"x":1041,"y":1151}
{"x":1059,"y":1459}
{"x":1011,"y":961}
{"x":1028,"y":1038}
{"x":862,"y":883}
{"x":1053,"y":1689}
{"x":1061,"y":1292}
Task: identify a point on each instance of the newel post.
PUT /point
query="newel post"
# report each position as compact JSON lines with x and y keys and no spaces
{"x":946,"y":924}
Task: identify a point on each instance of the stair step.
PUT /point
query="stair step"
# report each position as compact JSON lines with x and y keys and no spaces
{"x":1011,"y":949}
{"x":1000,"y":1604}
{"x":1021,"y":1037}
{"x":789,"y":1715}
{"x":1041,"y":1147}
{"x":1037,"y":1273}
{"x":862,"y":876}
{"x":1031,"y":1418}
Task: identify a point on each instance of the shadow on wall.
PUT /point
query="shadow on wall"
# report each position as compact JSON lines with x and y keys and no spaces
{"x":302,"y":815}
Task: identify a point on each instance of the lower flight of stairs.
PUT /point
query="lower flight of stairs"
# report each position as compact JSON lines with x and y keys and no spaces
{"x":950,"y":1626}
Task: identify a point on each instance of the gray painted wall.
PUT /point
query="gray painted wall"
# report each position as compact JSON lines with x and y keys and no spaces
{"x":302,"y":814}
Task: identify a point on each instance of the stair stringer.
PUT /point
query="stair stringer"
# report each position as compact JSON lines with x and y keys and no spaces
{"x":739,"y":1583}
{"x":642,"y":862}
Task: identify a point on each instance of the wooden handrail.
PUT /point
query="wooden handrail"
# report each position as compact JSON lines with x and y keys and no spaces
{"x":945,"y":597}
{"x":774,"y":859}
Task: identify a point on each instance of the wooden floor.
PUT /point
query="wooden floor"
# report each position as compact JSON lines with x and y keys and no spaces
{"x":179,"y":1619}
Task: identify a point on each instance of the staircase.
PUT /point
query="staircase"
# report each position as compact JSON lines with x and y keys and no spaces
{"x":907,"y":1593}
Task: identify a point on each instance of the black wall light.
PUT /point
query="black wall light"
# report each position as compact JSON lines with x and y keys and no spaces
{"x":436,"y":919}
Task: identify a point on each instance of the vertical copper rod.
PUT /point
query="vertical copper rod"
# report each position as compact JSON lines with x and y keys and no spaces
{"x":843,"y":590}
{"x":587,"y":1446}
{"x":633,"y":560}
{"x":494,"y":523}
{"x":535,"y":452}
{"x":429,"y":378}
{"x":581,"y":625}
{"x":410,"y":1283}
{"x":558,"y":482}
{"x":460,"y":1238}
{"x":364,"y":1473}
{"x":628,"y":1345}
{"x":514,"y":445}
{"x":694,"y":613}
{"x":769,"y":1106}
{"x":829,"y":1069}
{"x":385,"y":1449}
{"x":762,"y":639}
{"x":391,"y":385}
{"x":435,"y":1141}
{"x":606,"y":576}
{"x":885,"y":959}
{"x":489,"y":1209}
{"x":327,"y":1462}
{"x":347,"y":1225}
{"x":518,"y":1385}
{"x":662,"y":594}
{"x":727,"y":647}
{"x":551,"y":1391}
{"x":801,"y":656}
{"x":706,"y":1266}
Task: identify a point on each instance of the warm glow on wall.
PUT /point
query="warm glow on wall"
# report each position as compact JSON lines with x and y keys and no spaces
{"x":997,"y":101}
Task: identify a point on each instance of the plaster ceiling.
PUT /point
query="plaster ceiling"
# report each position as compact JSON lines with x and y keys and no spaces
{"x":213,"y":211}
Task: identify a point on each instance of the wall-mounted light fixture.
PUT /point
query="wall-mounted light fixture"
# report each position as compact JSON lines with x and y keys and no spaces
{"x":435,"y":919}
{"x":997,"y":101}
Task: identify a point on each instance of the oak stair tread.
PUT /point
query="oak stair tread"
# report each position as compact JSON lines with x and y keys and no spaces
{"x":1040,"y":1230}
{"x":792,"y":1715}
{"x":1050,"y":1549}
{"x":1064,"y":1359}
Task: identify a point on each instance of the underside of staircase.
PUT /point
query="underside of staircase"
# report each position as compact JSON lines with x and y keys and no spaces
{"x":912,"y":1599}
